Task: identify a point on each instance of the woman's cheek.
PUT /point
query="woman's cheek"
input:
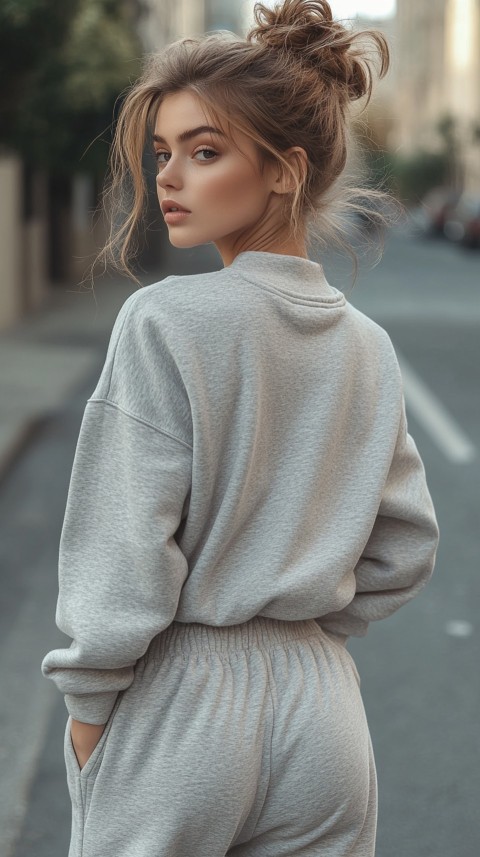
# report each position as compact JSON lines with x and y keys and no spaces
{"x":228,"y":194}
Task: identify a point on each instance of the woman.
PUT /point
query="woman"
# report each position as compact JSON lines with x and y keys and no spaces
{"x":245,"y":494}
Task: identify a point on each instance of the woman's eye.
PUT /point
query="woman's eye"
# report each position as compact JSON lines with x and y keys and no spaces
{"x":209,"y":151}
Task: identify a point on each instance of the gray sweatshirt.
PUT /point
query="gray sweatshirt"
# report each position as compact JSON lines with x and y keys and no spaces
{"x":245,"y":451}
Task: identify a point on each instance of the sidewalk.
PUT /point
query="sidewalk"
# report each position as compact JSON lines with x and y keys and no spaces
{"x":45,"y":355}
{"x":50,"y":352}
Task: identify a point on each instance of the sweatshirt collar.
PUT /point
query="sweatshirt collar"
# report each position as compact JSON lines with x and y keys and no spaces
{"x":292,"y":276}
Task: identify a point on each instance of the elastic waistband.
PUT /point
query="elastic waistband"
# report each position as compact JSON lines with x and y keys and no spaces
{"x":258,"y":632}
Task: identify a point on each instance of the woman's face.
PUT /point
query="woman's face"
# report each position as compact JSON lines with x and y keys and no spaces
{"x":232,"y":204}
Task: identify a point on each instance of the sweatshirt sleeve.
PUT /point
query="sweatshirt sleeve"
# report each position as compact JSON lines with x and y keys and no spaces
{"x":120,"y":569}
{"x":399,"y":557}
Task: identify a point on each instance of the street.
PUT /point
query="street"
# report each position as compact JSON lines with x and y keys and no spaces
{"x":419,"y":668}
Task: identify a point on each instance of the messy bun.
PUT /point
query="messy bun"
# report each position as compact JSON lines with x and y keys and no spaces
{"x":288,"y":83}
{"x":305,"y":31}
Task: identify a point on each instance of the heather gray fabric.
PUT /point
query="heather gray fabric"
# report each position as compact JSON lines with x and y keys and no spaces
{"x":249,"y":740}
{"x":245,"y":452}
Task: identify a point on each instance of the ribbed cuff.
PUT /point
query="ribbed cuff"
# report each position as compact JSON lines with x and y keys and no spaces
{"x":94,"y":708}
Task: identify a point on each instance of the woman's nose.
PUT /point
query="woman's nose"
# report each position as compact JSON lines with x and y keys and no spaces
{"x":169,"y":175}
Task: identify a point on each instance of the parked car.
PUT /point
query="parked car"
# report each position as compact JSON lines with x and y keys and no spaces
{"x":463,"y":222}
{"x":437,"y":205}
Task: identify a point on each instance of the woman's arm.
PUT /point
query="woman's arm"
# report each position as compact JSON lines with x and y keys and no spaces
{"x":399,"y":557}
{"x":121,"y":570}
{"x":85,"y":737}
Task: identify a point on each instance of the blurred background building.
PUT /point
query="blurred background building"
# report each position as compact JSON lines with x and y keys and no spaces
{"x":67,"y":70}
{"x":438,"y":99}
{"x":163,"y":22}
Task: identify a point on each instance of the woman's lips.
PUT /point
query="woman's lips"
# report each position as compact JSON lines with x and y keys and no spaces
{"x":176,"y":216}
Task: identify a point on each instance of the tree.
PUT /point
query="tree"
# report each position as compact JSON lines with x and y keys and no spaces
{"x":67,"y":63}
{"x":447,"y":129}
{"x":30,"y":30}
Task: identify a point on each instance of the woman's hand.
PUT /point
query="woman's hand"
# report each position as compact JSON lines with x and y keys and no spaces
{"x":85,"y":737}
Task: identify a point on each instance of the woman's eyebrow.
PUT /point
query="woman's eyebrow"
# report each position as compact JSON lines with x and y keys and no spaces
{"x":187,"y":135}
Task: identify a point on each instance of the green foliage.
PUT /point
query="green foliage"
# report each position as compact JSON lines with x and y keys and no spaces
{"x":446,"y":128}
{"x":476,"y":132}
{"x":418,"y":173}
{"x":77,"y":58}
{"x":381,"y":169}
{"x":409,"y":177}
{"x":30,"y":30}
{"x":99,"y":57}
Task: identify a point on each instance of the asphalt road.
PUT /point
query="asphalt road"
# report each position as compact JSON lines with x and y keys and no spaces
{"x":419,"y":668}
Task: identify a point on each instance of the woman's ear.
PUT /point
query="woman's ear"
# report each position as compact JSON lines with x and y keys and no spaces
{"x":298,"y":160}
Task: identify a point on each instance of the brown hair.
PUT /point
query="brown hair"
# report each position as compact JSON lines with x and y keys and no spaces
{"x":288,"y":83}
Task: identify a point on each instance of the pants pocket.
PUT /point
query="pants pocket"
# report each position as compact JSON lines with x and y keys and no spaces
{"x":80,"y":780}
{"x":94,"y":760}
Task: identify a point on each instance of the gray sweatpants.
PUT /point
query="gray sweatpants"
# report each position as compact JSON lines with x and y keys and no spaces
{"x":242,"y":740}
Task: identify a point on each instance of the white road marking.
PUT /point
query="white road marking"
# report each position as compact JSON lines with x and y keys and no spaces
{"x":435,"y":419}
{"x":459,"y":628}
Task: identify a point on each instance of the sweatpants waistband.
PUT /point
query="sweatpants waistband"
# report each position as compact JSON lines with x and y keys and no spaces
{"x":258,"y":632}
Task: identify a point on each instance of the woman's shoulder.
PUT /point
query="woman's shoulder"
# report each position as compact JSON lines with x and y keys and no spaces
{"x":366,"y":325}
{"x":176,"y":293}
